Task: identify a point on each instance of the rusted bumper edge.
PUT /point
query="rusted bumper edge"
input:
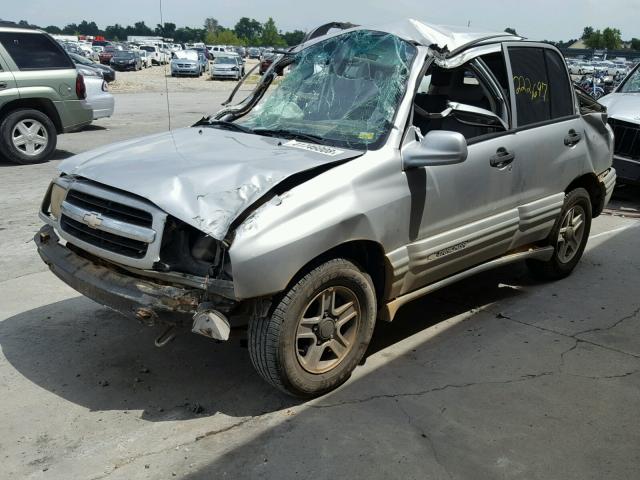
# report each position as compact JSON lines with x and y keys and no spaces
{"x":144,"y":300}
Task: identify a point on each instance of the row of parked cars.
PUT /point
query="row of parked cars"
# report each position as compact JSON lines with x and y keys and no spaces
{"x":617,"y":68}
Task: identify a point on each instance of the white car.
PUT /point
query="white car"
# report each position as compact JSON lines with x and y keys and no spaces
{"x":98,"y":96}
{"x":146,"y":58}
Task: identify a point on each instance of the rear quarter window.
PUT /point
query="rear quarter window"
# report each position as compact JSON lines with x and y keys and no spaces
{"x":34,"y":51}
{"x":541,"y":85}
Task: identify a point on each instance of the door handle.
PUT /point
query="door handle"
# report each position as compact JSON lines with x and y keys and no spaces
{"x":502,"y":158}
{"x":3,"y":85}
{"x":572,"y":138}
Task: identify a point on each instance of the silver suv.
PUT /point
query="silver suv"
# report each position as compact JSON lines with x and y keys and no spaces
{"x":385,"y":164}
{"x":41,"y":95}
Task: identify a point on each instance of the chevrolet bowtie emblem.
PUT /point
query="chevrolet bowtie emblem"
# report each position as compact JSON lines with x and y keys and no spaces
{"x":92,"y":219}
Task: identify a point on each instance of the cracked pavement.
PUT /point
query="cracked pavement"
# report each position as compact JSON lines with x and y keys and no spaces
{"x":496,"y":377}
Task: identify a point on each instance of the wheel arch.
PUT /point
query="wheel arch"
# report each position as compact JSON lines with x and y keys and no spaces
{"x":594,"y":188}
{"x":43,"y":105}
{"x":366,"y":254}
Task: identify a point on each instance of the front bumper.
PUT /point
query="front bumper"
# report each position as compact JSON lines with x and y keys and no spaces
{"x":132,"y":296}
{"x":225,"y":74}
{"x":628,"y":169}
{"x":185,"y":71}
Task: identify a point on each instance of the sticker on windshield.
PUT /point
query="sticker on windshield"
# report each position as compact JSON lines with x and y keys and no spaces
{"x":311,"y":147}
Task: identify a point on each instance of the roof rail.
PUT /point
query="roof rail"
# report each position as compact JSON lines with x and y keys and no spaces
{"x":324,"y":29}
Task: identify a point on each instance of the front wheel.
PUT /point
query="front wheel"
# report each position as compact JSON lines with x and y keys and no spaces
{"x":569,"y":238}
{"x":318,"y":331}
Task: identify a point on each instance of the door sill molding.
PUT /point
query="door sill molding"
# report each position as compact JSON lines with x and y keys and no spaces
{"x":388,"y":312}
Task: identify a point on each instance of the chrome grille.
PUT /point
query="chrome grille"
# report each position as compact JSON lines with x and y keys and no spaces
{"x":105,"y":240}
{"x":627,"y":137}
{"x":110,"y":208}
{"x":112,"y":225}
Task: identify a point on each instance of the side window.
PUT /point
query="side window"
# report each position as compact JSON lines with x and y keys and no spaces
{"x":460,"y":85}
{"x":531,"y":85}
{"x":34,"y":51}
{"x":559,"y":86}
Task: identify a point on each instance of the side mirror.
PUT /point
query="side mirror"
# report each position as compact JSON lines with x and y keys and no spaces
{"x":437,"y":147}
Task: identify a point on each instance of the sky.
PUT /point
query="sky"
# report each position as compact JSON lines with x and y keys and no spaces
{"x":534,"y":19}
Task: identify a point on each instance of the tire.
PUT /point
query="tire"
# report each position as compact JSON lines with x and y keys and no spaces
{"x":32,"y":119}
{"x":562,"y":264}
{"x":280,"y":348}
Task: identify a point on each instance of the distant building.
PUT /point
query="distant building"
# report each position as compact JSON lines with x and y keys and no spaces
{"x":579,"y":44}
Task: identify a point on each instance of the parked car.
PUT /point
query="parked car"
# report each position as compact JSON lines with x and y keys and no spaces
{"x":241,"y":51}
{"x":145,"y":58}
{"x":186,"y":62}
{"x":126,"y":60}
{"x":623,"y":110}
{"x":98,"y":97}
{"x":253,"y":53}
{"x":107,"y":72}
{"x":41,"y":95}
{"x":266,"y":59}
{"x":157,"y":57}
{"x":367,"y":176}
{"x":227,"y":67}
{"x":106,"y":54}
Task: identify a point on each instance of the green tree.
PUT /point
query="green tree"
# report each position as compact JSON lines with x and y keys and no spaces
{"x":168,"y":30}
{"x":635,"y":43}
{"x":88,"y":28}
{"x":587,"y":32}
{"x":211,"y":25}
{"x":594,"y":40}
{"x":293,"y":38}
{"x":270,"y":36}
{"x":139,"y":28}
{"x":611,"y":38}
{"x":53,"y":29}
{"x":249,"y":29}
{"x":510,"y":30}
{"x":223,"y":37}
{"x":70,"y":29}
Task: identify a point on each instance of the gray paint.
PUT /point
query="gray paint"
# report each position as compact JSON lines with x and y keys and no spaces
{"x":431,"y":222}
{"x":206,"y":177}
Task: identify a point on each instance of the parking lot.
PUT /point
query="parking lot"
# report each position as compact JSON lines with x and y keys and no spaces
{"x":497,"y":377}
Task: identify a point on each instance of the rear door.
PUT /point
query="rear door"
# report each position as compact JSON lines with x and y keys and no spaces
{"x":8,"y":86}
{"x":549,"y":135}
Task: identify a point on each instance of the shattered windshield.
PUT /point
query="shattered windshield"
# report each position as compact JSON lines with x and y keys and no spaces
{"x":632,"y":83}
{"x":344,"y":90}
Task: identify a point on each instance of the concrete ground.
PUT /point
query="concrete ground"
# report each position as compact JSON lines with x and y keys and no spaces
{"x":496,"y":377}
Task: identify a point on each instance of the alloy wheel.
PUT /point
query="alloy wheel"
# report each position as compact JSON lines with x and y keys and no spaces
{"x":30,"y":137}
{"x":328,"y":329}
{"x":570,"y":234}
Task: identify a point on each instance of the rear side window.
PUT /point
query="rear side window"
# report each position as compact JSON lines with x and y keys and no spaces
{"x":559,"y":86}
{"x":541,"y":85}
{"x":34,"y":51}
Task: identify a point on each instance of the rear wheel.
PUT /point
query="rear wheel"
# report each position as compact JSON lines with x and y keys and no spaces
{"x":27,"y":136}
{"x":318,"y":331}
{"x":569,"y":238}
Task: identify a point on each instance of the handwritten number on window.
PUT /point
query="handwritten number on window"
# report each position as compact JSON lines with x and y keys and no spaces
{"x":533,"y":90}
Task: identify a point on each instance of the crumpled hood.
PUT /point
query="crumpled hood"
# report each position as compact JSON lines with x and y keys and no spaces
{"x":205,"y":176}
{"x":623,"y":106}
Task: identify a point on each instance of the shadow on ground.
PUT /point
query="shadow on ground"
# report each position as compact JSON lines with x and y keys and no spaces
{"x":98,"y":359}
{"x":541,"y":383}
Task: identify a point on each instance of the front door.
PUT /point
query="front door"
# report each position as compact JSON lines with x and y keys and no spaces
{"x":467,"y":212}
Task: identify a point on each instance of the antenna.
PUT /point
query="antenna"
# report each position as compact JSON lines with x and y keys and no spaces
{"x":166,"y":82}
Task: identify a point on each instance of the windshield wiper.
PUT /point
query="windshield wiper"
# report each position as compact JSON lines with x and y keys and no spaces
{"x":281,"y":132}
{"x":227,"y":125}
